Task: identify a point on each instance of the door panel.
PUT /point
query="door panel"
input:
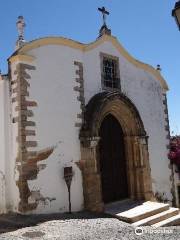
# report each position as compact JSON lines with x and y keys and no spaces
{"x":112,"y":161}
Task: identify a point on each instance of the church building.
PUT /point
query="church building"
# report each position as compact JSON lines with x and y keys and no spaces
{"x":81,"y":125}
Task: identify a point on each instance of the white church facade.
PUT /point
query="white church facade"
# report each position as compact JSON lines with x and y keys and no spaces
{"x":89,"y":111}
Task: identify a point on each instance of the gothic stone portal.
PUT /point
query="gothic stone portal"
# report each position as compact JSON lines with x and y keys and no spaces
{"x":117,"y":111}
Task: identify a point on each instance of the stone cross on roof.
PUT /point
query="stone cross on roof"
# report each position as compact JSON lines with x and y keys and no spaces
{"x":104,"y":13}
{"x":104,"y":29}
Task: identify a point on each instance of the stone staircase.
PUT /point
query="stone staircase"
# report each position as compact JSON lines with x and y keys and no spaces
{"x":145,"y":213}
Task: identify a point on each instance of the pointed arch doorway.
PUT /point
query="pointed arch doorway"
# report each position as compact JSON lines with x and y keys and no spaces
{"x":112,"y":160}
{"x":115,"y":110}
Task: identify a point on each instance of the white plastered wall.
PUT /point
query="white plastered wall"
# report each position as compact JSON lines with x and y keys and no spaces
{"x":5,"y":143}
{"x":145,"y":91}
{"x":51,"y":86}
{"x":2,"y":148}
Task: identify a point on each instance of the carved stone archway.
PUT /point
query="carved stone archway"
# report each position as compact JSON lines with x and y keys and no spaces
{"x":136,"y":147}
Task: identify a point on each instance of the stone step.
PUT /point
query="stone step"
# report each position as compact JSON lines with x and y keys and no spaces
{"x":157,"y":217}
{"x":142,"y":211}
{"x":172,"y":221}
{"x":121,"y":206}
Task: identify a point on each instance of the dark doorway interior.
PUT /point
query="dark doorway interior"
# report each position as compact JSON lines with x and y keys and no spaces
{"x":112,"y":161}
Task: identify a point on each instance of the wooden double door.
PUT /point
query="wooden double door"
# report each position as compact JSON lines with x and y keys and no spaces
{"x":112,"y":161}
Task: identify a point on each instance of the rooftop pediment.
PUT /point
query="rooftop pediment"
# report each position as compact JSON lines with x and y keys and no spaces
{"x":23,"y":51}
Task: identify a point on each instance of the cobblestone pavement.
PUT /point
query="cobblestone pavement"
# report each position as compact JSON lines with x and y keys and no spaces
{"x":79,"y":226}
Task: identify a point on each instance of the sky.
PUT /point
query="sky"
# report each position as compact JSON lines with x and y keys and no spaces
{"x":146,"y":29}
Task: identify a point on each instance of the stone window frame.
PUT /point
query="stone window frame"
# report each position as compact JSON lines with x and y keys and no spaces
{"x":116,"y":59}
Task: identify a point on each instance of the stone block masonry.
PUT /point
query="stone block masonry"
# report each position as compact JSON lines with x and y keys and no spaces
{"x":26,"y":161}
{"x":80,"y":89}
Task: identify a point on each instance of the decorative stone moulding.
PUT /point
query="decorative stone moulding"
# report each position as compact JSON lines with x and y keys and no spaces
{"x":136,"y":142}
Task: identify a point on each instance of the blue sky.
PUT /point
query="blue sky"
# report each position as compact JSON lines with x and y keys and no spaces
{"x":145,"y":28}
